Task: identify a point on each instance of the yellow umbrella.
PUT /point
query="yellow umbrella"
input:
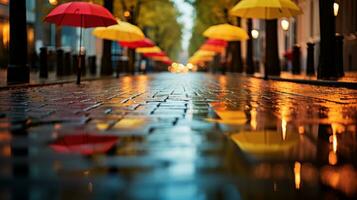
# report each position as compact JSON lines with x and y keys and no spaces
{"x":264,"y":142}
{"x":155,"y":49}
{"x":265,"y":9}
{"x":229,"y":117}
{"x":123,"y":31}
{"x":217,"y":49}
{"x":226,"y":32}
{"x":204,"y":53}
{"x":201,"y":58}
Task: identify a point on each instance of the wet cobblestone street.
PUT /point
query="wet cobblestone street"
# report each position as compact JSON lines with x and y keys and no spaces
{"x":178,"y":136}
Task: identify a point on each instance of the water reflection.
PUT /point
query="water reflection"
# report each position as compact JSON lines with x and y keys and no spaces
{"x":203,"y":136}
{"x":85,"y":144}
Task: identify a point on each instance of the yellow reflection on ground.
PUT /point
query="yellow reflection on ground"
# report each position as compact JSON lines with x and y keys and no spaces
{"x":130,"y":123}
{"x":283,"y":128}
{"x":253,"y":120}
{"x":230,"y":117}
{"x":102,"y":126}
{"x":342,"y":178}
{"x":297,"y":174}
{"x":263,"y":142}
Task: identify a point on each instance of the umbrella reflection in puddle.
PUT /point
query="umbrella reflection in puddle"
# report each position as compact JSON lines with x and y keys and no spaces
{"x":84,"y":144}
{"x":229,"y":117}
{"x":264,"y":142}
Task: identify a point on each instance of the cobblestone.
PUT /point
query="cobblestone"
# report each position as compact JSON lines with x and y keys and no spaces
{"x":170,"y":136}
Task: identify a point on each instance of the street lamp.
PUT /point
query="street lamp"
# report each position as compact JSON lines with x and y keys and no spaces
{"x":255,"y":34}
{"x":336,"y":7}
{"x":285,"y":26}
{"x":127,"y":14}
{"x":53,"y":2}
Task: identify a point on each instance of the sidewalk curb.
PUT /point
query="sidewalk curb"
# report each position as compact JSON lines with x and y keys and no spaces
{"x":349,"y":85}
{"x":29,"y":85}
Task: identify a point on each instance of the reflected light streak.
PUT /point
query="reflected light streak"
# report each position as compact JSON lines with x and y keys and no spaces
{"x":253,"y":120}
{"x":90,"y":187}
{"x":332,"y":156}
{"x":334,"y":143}
{"x":283,"y":128}
{"x":297,"y":174}
{"x":301,"y":130}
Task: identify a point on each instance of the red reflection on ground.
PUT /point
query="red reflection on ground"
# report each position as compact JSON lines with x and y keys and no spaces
{"x":84,"y":144}
{"x":342,"y":178}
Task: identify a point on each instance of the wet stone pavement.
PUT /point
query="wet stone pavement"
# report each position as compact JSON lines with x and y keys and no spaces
{"x":184,"y":136}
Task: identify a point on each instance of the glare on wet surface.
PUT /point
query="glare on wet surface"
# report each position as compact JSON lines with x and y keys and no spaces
{"x":178,"y":136}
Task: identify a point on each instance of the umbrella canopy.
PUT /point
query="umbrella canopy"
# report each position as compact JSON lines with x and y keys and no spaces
{"x":204,"y":53}
{"x":80,"y":14}
{"x":215,"y":42}
{"x":264,"y":9}
{"x":123,"y":31}
{"x":230,"y":117}
{"x":226,"y":32}
{"x":166,"y":62}
{"x":84,"y":144}
{"x":217,"y":49}
{"x":159,"y":54}
{"x":196,"y":59}
{"x":160,"y":58}
{"x":137,"y":44}
{"x":148,"y":50}
{"x":264,"y":142}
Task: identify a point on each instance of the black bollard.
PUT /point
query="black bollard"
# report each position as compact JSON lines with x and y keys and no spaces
{"x":43,"y":63}
{"x":59,"y":62}
{"x":51,"y":60}
{"x":120,"y":63}
{"x":74,"y":63}
{"x":83,"y":64}
{"x":296,"y":60}
{"x":67,"y":68}
{"x":310,"y":60}
{"x":92,"y":62}
{"x":339,"y":55}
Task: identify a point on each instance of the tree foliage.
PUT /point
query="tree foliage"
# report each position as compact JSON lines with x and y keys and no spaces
{"x":208,"y":13}
{"x":158,"y":19}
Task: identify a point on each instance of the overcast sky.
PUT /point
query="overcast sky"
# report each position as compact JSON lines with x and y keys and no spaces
{"x":187,"y":20}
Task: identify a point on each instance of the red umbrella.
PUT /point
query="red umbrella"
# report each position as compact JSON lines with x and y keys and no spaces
{"x":138,"y":44}
{"x":84,"y":144}
{"x":80,"y":14}
{"x":207,"y":47}
{"x":166,"y":62}
{"x":216,"y":42}
{"x":154,"y":54}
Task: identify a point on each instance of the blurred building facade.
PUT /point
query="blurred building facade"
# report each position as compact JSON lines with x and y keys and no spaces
{"x":41,"y":34}
{"x":306,"y":28}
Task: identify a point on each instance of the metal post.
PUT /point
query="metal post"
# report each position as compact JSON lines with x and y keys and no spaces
{"x":43,"y":63}
{"x":285,"y":65}
{"x":339,"y":55}
{"x":106,"y":61}
{"x":18,"y":71}
{"x":272,"y":64}
{"x":327,"y":68}
{"x":249,"y":58}
{"x":310,"y":61}
{"x":296,"y":59}
{"x":59,"y":62}
{"x":67,"y":64}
